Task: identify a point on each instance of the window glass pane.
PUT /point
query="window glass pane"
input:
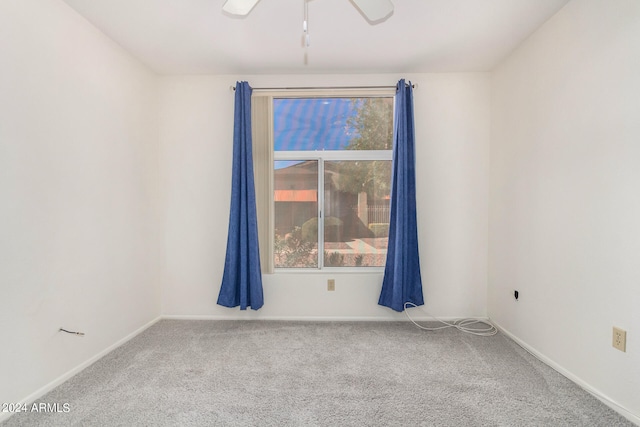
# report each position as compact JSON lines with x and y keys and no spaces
{"x":296,"y":214}
{"x":310,"y":124}
{"x":356,"y":210}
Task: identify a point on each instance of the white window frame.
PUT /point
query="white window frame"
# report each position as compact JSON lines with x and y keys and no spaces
{"x":265,"y":156}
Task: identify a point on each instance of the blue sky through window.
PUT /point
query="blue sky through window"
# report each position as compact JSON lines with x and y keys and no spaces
{"x":313,"y":123}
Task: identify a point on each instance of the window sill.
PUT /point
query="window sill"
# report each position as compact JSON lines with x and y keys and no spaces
{"x":329,"y":270}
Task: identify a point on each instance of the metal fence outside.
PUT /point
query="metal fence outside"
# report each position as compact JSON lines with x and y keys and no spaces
{"x":378,"y":213}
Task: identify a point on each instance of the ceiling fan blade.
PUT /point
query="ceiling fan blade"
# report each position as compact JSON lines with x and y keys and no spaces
{"x":239,"y":7}
{"x":374,"y":10}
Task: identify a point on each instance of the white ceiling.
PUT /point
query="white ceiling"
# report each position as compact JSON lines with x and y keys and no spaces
{"x":196,"y":37}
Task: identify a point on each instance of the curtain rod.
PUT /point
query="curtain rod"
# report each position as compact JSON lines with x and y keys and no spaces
{"x":414,"y":86}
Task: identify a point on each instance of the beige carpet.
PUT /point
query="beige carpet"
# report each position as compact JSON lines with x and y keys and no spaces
{"x":257,"y":373}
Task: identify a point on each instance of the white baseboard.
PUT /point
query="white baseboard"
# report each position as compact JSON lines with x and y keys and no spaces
{"x":239,"y":316}
{"x":587,"y":387}
{"x":64,"y":377}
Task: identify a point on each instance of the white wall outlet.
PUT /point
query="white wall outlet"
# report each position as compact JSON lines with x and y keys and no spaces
{"x":619,"y":339}
{"x":331,"y":284}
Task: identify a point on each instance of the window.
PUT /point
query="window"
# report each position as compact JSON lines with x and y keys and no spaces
{"x":330,"y":177}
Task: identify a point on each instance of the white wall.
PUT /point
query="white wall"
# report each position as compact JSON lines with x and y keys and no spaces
{"x":78,"y":194}
{"x":452,"y":132}
{"x":565,"y":194}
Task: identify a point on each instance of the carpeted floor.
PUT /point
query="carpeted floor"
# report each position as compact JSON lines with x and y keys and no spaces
{"x":263,"y":373}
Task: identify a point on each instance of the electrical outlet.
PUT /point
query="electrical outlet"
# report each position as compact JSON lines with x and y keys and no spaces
{"x":331,"y":285}
{"x":620,"y":339}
